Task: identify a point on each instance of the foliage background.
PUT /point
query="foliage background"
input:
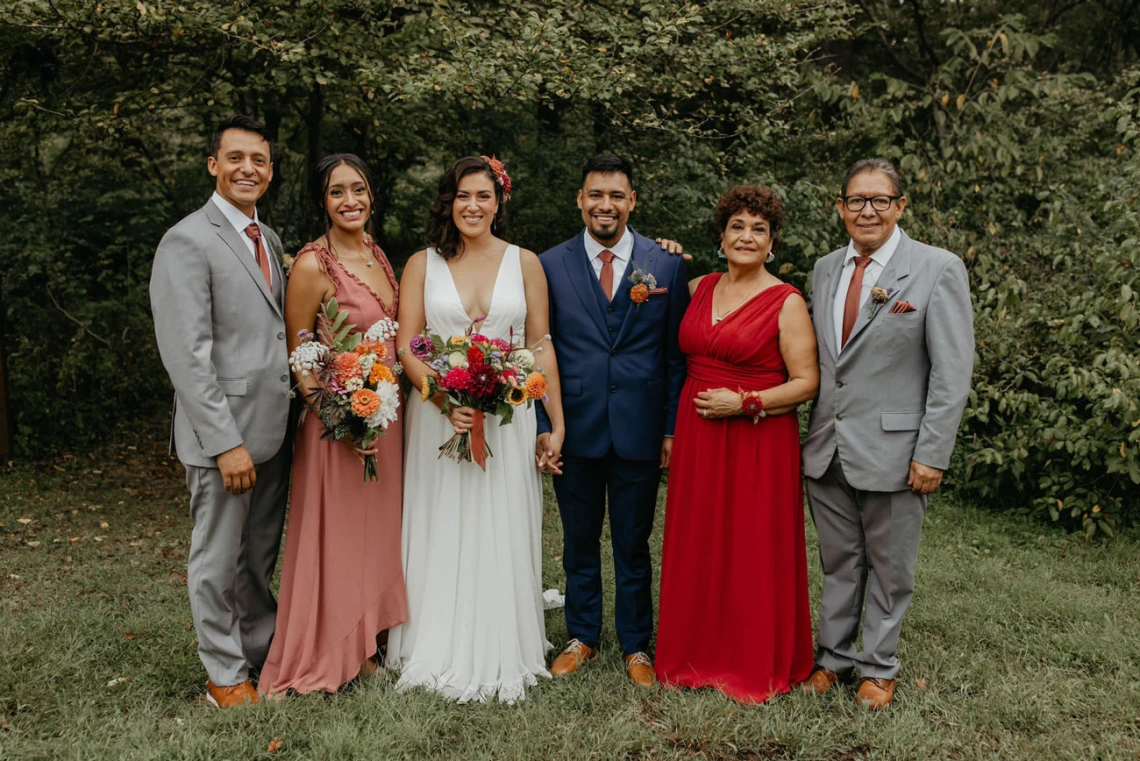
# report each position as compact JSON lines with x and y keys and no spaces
{"x":1016,"y":124}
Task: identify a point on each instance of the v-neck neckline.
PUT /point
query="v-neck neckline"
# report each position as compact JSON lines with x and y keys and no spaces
{"x":377,"y":253}
{"x":494,"y":290}
{"x":739,"y":308}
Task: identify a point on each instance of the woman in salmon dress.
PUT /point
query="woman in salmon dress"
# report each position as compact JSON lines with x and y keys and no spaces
{"x":342,"y":582}
{"x":734,"y":597}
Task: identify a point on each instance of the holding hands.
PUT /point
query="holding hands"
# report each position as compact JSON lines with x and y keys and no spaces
{"x":548,"y":452}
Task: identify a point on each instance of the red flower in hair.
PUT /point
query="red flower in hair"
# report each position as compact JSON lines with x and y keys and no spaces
{"x":501,"y":176}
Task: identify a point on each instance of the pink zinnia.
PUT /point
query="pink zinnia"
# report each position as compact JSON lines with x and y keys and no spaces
{"x":457,"y":379}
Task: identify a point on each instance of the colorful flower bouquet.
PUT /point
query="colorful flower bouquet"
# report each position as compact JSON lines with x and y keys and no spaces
{"x":490,"y":375}
{"x":357,"y":395}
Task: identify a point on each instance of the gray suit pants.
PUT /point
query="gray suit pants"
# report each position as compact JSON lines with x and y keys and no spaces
{"x":233,"y":552}
{"x":863,"y":535}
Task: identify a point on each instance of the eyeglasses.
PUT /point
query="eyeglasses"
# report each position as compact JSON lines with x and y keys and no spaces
{"x":878,"y":203}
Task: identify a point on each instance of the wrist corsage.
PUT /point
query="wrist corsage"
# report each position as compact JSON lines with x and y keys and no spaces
{"x":752,"y":406}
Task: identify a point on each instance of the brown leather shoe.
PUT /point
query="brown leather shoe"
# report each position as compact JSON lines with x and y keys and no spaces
{"x":640,"y":670}
{"x":572,"y":658}
{"x":876,"y":693}
{"x":820,"y":681}
{"x":233,"y":696}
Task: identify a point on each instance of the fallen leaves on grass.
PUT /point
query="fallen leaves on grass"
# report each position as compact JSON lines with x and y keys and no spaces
{"x":118,"y":680}
{"x":275,"y":745}
{"x":24,"y":521}
{"x":920,"y":683}
{"x":33,"y":545}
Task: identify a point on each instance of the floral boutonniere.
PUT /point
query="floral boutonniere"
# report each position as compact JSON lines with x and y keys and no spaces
{"x":879,"y":296}
{"x":643,"y":283}
{"x":287,"y":265}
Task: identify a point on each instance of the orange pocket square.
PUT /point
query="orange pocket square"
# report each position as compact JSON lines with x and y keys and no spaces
{"x":902,"y":307}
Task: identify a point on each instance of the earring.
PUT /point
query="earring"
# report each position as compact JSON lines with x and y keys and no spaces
{"x":720,"y":254}
{"x":770,"y":258}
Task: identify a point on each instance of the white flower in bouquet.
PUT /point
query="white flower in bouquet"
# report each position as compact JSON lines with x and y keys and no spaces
{"x":523,"y":358}
{"x":389,"y":403}
{"x":366,"y":362}
{"x":354,"y":384}
{"x":307,"y":357}
{"x":457,"y":359}
{"x":382,"y":330}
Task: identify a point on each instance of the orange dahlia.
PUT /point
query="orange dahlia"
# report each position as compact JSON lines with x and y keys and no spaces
{"x":535,"y":385}
{"x":639,"y":293}
{"x":365,"y":402}
{"x":381,"y":374}
{"x":345,"y":367}
{"x":372,"y":347}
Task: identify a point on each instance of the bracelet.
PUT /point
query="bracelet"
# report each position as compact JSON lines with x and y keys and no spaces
{"x":752,"y":406}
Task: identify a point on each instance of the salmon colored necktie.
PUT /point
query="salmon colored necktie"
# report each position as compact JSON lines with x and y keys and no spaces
{"x":607,"y":276}
{"x":254,"y":233}
{"x":851,"y":305}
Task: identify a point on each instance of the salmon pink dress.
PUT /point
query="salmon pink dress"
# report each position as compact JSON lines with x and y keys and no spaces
{"x":342,"y":581}
{"x":734,"y":594}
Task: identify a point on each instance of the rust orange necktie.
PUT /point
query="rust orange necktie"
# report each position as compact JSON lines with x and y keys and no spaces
{"x":851,"y":305}
{"x":254,"y":233}
{"x":607,"y":276}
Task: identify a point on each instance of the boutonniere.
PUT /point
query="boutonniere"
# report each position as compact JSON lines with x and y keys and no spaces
{"x":286,"y":265}
{"x":643,"y":283}
{"x":879,"y":296}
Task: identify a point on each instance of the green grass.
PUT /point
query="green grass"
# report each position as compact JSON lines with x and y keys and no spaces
{"x":1024,"y":640}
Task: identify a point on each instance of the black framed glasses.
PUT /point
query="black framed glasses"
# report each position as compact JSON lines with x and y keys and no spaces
{"x":878,"y":203}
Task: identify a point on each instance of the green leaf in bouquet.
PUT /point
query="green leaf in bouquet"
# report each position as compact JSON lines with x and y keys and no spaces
{"x":341,"y":316}
{"x":352,"y":341}
{"x":332,"y":308}
{"x":506,"y":412}
{"x":342,"y":334}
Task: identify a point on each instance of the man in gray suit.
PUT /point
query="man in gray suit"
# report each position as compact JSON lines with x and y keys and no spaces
{"x":895,"y":328}
{"x":217,"y":293}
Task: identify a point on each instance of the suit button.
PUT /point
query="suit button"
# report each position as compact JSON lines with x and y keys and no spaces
{"x":613,"y":389}
{"x":611,"y":331}
{"x":839,"y":416}
{"x":613,"y":353}
{"x":610,"y":310}
{"x":839,"y":384}
{"x":284,"y":378}
{"x":281,"y":335}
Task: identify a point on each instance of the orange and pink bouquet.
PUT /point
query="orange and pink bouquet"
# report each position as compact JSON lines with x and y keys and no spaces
{"x":490,"y":375}
{"x":357,"y":395}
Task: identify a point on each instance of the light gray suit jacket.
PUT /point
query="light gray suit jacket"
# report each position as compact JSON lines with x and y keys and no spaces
{"x":221,"y":335}
{"x":897,"y":391}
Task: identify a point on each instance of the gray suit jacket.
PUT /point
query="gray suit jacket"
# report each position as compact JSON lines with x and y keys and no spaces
{"x":221,"y":335}
{"x":897,"y":391}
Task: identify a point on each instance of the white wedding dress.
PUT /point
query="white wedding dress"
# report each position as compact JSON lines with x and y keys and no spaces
{"x":472,"y":539}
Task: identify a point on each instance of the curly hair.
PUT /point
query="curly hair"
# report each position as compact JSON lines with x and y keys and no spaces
{"x":759,"y":200}
{"x":442,"y":234}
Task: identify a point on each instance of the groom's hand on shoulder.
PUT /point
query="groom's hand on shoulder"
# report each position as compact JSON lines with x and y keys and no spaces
{"x":238,"y":472}
{"x":673,"y":248}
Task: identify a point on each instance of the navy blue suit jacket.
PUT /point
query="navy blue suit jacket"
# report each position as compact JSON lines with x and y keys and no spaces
{"x":621,"y":372}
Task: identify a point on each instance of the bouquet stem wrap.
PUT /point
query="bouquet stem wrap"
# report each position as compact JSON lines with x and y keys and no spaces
{"x":470,"y":446}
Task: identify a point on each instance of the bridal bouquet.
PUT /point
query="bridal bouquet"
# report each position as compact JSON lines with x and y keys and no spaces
{"x":357,"y":395}
{"x":490,"y":375}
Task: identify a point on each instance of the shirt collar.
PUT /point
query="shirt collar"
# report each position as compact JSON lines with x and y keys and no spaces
{"x":233,"y":214}
{"x":883,"y":255}
{"x":622,"y":250}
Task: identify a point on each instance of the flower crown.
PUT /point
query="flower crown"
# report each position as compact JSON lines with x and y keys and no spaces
{"x":501,"y":177}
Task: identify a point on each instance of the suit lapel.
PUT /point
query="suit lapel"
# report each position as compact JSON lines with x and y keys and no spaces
{"x":824,"y":300}
{"x":583,"y":283}
{"x":891,"y":280}
{"x":647,"y":262}
{"x":236,"y":245}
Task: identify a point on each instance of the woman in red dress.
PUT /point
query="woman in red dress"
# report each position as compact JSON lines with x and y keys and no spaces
{"x":734,"y":596}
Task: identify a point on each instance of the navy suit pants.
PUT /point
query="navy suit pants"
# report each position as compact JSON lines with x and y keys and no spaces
{"x":631,"y":486}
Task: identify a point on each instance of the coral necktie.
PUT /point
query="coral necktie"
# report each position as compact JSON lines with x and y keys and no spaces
{"x":607,"y":276}
{"x":851,"y":305}
{"x":254,"y":233}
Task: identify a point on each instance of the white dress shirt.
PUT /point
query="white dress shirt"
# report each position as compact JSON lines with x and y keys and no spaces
{"x":878,"y":263}
{"x":240,"y":221}
{"x":622,"y":251}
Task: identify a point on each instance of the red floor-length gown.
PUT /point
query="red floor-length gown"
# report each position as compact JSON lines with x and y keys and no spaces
{"x":342,"y":581}
{"x":734,"y":611}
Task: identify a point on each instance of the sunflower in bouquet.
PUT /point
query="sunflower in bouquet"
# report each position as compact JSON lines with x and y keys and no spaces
{"x":490,"y":375}
{"x":357,"y":395}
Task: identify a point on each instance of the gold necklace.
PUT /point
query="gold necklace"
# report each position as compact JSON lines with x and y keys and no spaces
{"x":721,"y":315}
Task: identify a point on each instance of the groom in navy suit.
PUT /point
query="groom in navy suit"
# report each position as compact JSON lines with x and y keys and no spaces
{"x":621,"y":372}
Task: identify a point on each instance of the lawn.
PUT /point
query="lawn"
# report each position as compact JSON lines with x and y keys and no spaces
{"x":1022,"y":643}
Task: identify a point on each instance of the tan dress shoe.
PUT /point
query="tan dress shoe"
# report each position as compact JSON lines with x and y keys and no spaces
{"x":572,"y":658}
{"x":876,"y":693}
{"x":640,"y":670}
{"x":820,"y":681}
{"x":233,"y":696}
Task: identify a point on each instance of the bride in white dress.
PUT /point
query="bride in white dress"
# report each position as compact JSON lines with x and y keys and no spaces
{"x":472,"y":539}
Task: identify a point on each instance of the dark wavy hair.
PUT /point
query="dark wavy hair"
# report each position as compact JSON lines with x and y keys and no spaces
{"x":325,"y":169}
{"x":759,"y":200}
{"x":241,"y":122}
{"x":442,"y":234}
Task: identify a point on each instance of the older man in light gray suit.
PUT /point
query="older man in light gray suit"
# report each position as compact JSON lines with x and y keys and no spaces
{"x":217,"y":294}
{"x":895,"y":328}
